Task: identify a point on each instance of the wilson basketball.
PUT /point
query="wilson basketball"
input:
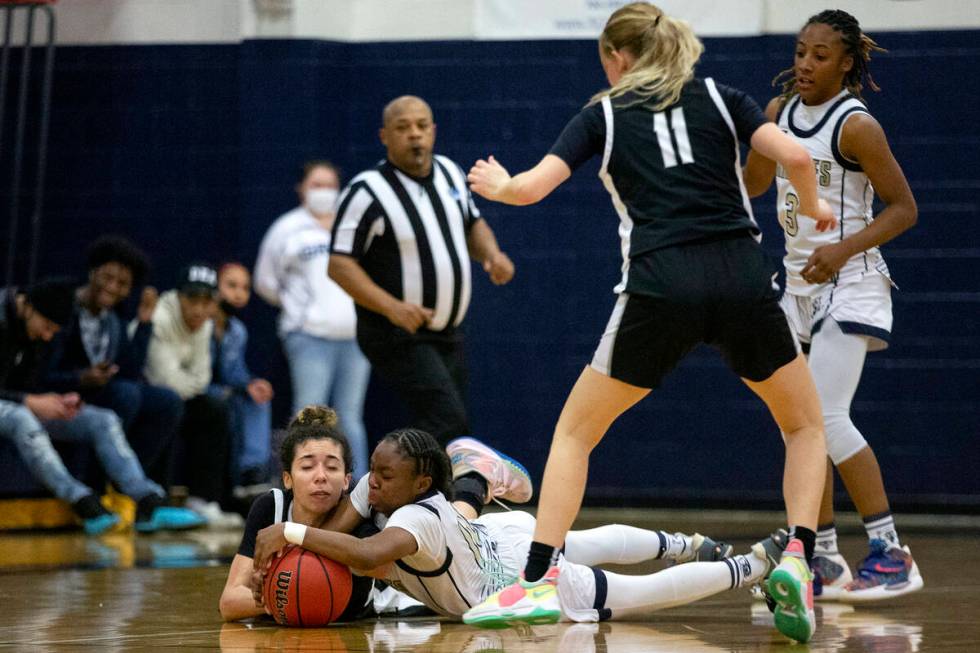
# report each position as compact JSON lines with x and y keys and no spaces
{"x":305,"y":589}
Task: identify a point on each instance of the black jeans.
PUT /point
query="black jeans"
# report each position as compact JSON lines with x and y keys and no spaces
{"x":428,"y":375}
{"x":206,"y":443}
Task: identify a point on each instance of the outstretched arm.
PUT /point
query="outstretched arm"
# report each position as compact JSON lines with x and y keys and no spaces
{"x":491,"y":180}
{"x":759,"y":171}
{"x":368,"y":553}
{"x":773,"y":144}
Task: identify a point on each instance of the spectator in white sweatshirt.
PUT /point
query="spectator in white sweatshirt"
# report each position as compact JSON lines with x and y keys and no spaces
{"x":317,"y":323}
{"x":179,"y":358}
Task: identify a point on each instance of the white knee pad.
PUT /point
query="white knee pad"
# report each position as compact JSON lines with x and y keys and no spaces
{"x":843,"y":438}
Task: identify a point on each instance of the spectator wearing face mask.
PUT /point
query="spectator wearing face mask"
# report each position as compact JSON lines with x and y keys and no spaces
{"x":248,"y":397}
{"x":317,"y":322}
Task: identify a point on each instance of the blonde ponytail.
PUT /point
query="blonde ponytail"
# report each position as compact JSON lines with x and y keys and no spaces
{"x":666,"y":50}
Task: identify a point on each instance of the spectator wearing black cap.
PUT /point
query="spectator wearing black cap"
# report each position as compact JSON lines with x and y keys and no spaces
{"x":179,"y":358}
{"x":96,"y":356}
{"x":30,"y":419}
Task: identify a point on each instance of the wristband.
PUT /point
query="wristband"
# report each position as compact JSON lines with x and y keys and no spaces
{"x":294,"y":533}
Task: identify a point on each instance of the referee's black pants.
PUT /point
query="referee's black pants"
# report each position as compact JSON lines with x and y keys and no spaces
{"x":429,"y":376}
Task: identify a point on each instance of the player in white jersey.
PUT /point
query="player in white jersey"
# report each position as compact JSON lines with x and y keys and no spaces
{"x":837,"y":297}
{"x":445,"y":556}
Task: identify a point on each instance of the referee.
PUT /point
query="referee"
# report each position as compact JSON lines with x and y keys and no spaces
{"x":402,"y":241}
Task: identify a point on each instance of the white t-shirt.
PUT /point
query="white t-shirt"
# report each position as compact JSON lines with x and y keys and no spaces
{"x":291,"y":272}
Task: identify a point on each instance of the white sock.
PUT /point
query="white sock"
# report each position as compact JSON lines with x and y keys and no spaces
{"x":679,"y":585}
{"x":882,"y":527}
{"x":826,"y":544}
{"x":616,"y":544}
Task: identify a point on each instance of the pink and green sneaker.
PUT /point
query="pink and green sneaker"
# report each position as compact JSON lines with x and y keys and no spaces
{"x":530,"y":603}
{"x":790,"y":586}
{"x":506,"y":478}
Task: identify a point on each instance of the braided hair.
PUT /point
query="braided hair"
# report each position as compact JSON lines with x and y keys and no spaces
{"x":430,"y":458}
{"x":857,"y":45}
{"x":314,"y":423}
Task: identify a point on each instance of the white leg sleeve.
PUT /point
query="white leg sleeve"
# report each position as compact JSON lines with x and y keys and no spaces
{"x":640,"y":595}
{"x":836,"y":362}
{"x":612,"y":544}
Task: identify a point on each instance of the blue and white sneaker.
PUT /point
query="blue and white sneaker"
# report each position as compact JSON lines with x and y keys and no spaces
{"x":830,"y":576}
{"x":885,"y":574}
{"x":506,"y":478}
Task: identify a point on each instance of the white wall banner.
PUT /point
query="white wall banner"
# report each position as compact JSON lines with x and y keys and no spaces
{"x":584,"y":19}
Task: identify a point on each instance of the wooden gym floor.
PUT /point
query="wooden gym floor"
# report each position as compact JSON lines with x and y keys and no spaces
{"x":120,"y":592}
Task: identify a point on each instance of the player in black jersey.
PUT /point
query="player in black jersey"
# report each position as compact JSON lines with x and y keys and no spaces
{"x":317,"y":460}
{"x":693,"y":272}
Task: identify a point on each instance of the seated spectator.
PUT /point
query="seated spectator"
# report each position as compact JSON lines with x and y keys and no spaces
{"x":31,"y":419}
{"x":248,"y":396}
{"x":179,"y":358}
{"x":95,"y":357}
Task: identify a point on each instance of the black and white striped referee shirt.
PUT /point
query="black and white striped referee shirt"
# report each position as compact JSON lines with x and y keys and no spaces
{"x":410,"y":236}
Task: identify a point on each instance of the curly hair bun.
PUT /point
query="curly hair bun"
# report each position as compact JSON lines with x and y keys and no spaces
{"x":314,"y":415}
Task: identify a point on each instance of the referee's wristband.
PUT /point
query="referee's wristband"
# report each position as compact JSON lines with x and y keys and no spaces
{"x":294,"y":533}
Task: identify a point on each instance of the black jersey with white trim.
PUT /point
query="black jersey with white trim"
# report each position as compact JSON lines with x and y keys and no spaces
{"x":276,"y":506}
{"x":674,"y":175}
{"x":269,"y":508}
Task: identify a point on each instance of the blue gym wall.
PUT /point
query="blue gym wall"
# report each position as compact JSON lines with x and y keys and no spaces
{"x":193,"y":150}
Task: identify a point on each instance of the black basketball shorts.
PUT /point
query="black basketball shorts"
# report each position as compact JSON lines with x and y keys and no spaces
{"x":718,"y":292}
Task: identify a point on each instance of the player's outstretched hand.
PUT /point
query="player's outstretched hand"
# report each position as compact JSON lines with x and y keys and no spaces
{"x":824,"y":216}
{"x":499,"y":268}
{"x":488,"y":178}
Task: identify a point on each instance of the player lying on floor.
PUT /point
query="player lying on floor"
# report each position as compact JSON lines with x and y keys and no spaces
{"x":450,"y":559}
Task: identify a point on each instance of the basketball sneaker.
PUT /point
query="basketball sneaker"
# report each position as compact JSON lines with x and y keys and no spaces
{"x":830,"y":575}
{"x":885,"y":574}
{"x":506,"y":478}
{"x":701,"y":548}
{"x":771,"y":549}
{"x":791,"y":587}
{"x":530,"y":603}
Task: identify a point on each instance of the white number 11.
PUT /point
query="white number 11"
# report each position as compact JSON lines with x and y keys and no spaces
{"x":679,"y":127}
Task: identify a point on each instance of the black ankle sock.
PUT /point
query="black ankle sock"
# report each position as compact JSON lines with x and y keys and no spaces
{"x":472,"y":489}
{"x":809,"y":539}
{"x":146,"y":506}
{"x":89,"y":507}
{"x":539,"y":559}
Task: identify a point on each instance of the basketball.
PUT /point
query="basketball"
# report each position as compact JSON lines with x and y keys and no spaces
{"x":305,"y":589}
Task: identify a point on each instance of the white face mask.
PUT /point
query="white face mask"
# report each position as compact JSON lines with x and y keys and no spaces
{"x":321,"y":200}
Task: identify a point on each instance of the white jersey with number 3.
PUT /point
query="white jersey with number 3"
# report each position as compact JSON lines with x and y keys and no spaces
{"x":842,"y":183}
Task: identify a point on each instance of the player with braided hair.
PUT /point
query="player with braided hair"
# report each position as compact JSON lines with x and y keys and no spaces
{"x":445,"y":556}
{"x":838,"y":287}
